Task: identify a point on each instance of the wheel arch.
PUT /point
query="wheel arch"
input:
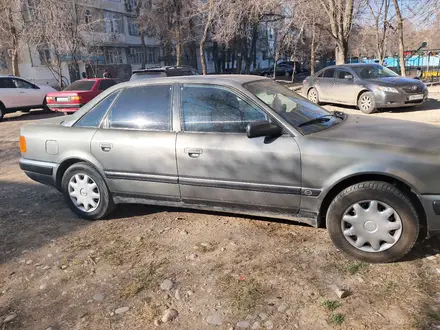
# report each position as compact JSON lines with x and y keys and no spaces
{"x":66,"y":163}
{"x":362,"y":91}
{"x":399,"y":183}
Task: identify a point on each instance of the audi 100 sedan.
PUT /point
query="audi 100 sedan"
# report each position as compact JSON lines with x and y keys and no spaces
{"x":244,"y":144}
{"x":370,"y":87}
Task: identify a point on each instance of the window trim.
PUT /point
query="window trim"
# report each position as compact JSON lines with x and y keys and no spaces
{"x":345,"y":70}
{"x":105,"y":122}
{"x":118,"y":92}
{"x":233,"y":90}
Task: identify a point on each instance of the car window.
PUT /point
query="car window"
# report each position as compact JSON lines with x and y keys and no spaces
{"x":81,"y":85}
{"x":104,"y":84}
{"x":22,"y":84}
{"x":340,"y":74}
{"x":330,"y":73}
{"x":94,"y":116}
{"x":144,"y":107}
{"x":147,"y":75}
{"x":6,"y":83}
{"x":216,"y":109}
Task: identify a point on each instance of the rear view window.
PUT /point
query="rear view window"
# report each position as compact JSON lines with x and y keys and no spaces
{"x":94,"y":116}
{"x":80,"y":85}
{"x":147,"y":75}
{"x":330,"y":73}
{"x":6,"y":83}
{"x":144,"y":107}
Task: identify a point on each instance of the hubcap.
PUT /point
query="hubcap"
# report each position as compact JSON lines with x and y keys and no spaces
{"x":84,"y":192}
{"x":371,"y":226}
{"x":313,"y":96}
{"x":365,"y":103}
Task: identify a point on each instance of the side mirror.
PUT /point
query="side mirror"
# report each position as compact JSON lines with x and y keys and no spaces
{"x":262,"y":128}
{"x":349,"y":77}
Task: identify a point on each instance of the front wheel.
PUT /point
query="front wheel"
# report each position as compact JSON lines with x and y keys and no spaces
{"x":367,"y":103}
{"x":313,"y":96}
{"x":2,"y":112}
{"x":373,"y":222}
{"x":86,"y":192}
{"x":46,"y":109}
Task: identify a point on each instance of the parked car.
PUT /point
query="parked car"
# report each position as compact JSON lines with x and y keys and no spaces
{"x":368,"y":86}
{"x":244,"y":144}
{"x":164,"y":71}
{"x":18,"y":94}
{"x":74,"y":96}
{"x":284,"y":68}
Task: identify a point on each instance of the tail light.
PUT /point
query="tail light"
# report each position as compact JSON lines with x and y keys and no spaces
{"x":22,"y":143}
{"x":76,"y":99}
{"x":50,"y":99}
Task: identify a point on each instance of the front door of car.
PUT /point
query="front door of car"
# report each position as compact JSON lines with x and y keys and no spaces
{"x":9,"y":94}
{"x":325,"y":85}
{"x":29,"y":95}
{"x":136,"y":144}
{"x":345,"y":89}
{"x":219,"y":165}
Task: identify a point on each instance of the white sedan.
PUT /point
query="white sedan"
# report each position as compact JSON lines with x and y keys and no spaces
{"x":17,"y":94}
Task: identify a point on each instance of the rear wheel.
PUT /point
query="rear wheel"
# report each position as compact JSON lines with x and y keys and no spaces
{"x":86,"y":192}
{"x":46,"y":109}
{"x":373,"y":221}
{"x":313,"y":96}
{"x":366,"y":103}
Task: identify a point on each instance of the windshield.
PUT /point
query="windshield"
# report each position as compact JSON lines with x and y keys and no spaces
{"x":80,"y":85}
{"x":293,"y":108}
{"x":374,"y":72}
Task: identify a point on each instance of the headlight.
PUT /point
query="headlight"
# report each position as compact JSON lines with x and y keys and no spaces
{"x":387,"y":89}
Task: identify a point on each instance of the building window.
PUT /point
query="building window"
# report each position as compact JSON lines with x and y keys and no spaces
{"x":88,"y":16}
{"x":136,"y":55}
{"x":130,"y":5}
{"x":44,"y":55}
{"x":113,"y":55}
{"x":3,"y":60}
{"x":133,"y":28}
{"x":152,"y":54}
{"x":113,"y":22}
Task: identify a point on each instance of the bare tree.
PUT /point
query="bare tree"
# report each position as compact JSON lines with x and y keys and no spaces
{"x":401,"y":41}
{"x":379,"y":10}
{"x":206,"y":14}
{"x":340,"y":14}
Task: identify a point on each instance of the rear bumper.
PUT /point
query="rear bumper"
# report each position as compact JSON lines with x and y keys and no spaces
{"x":397,"y":100}
{"x":64,"y":107}
{"x":42,"y":172}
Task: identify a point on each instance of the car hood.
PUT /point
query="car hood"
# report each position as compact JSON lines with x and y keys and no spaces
{"x":385,"y":132}
{"x":396,"y":81}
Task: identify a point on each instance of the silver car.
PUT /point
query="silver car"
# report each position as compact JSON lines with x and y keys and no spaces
{"x":244,"y":144}
{"x":368,"y":86}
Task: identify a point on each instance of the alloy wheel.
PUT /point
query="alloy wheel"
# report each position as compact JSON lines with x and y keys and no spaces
{"x":313,"y":96}
{"x":365,"y":103}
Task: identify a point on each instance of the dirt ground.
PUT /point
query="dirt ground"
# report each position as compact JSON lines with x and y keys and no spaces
{"x":226,"y":272}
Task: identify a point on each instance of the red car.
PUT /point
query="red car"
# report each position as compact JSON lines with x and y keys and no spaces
{"x":77,"y":94}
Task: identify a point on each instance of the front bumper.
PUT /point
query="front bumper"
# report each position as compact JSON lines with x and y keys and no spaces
{"x":42,"y":172}
{"x":398,"y":100}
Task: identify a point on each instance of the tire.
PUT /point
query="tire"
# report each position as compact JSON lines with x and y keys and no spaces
{"x":367,"y":103}
{"x":368,"y":225}
{"x":313,"y":96}
{"x":76,"y":175}
{"x":46,"y":109}
{"x":2,"y":111}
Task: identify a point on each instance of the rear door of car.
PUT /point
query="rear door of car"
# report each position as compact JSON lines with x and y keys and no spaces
{"x":136,"y":144}
{"x":9,"y":94}
{"x":325,"y":85}
{"x":345,"y":88}
{"x":29,"y":95}
{"x":219,"y":165}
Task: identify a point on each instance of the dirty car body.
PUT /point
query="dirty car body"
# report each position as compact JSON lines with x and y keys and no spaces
{"x":244,"y":144}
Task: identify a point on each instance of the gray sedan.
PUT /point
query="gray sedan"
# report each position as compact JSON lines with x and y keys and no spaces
{"x":244,"y":144}
{"x":368,"y":86}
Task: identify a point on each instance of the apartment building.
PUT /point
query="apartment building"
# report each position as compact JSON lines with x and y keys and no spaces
{"x":118,"y":46}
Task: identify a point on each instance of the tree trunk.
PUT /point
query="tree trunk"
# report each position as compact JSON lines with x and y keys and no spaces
{"x":14,"y":37}
{"x":312,"y":51}
{"x":202,"y":56}
{"x":178,"y":52}
{"x":401,"y":43}
{"x":215,"y":57}
{"x":144,"y":50}
{"x":341,"y":51}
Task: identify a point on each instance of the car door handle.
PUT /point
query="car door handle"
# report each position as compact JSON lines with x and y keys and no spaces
{"x":194,"y":152}
{"x":106,"y":146}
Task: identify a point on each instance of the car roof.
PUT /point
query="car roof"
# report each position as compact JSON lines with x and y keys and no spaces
{"x":221,"y":79}
{"x":351,"y":65}
{"x":163,"y":68}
